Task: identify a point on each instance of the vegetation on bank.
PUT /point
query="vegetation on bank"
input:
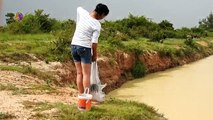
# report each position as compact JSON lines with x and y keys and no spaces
{"x":49,"y":39}
{"x":14,"y":48}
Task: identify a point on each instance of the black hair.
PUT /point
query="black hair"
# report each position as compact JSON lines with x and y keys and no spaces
{"x":102,"y":9}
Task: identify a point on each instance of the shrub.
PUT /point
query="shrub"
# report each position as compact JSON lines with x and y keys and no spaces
{"x":166,"y":25}
{"x":179,"y":53}
{"x":115,"y":43}
{"x":189,"y":41}
{"x":169,"y":34}
{"x":10,"y":18}
{"x":135,"y":48}
{"x":29,"y":24}
{"x":37,"y":23}
{"x":61,"y":46}
{"x":207,"y":23}
{"x":188,"y":51}
{"x":139,"y":70}
{"x":157,"y":36}
{"x":167,"y":51}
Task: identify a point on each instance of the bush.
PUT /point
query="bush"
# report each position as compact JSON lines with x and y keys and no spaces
{"x":61,"y":46}
{"x":28,"y":25}
{"x":38,"y":22}
{"x":129,"y":28}
{"x":157,"y":36}
{"x":2,"y":29}
{"x":135,"y":48}
{"x":167,"y":51}
{"x":166,"y":25}
{"x":207,"y":23}
{"x":115,"y":42}
{"x":183,"y":32}
{"x":189,"y":51}
{"x":179,"y":53}
{"x":169,"y":34}
{"x":139,"y":70}
{"x":189,"y":41}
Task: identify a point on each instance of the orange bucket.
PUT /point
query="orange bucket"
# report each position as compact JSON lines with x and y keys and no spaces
{"x":84,"y":100}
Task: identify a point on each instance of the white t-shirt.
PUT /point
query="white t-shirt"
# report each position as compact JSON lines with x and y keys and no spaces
{"x":87,"y":29}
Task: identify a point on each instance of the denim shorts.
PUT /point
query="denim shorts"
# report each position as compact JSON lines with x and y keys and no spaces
{"x":81,"y":54}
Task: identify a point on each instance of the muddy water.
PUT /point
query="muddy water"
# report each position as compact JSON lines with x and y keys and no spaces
{"x":183,"y":93}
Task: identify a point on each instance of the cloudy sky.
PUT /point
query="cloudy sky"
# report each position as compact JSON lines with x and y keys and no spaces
{"x":179,"y":12}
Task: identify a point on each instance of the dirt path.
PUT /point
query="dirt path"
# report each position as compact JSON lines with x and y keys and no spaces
{"x":17,"y":89}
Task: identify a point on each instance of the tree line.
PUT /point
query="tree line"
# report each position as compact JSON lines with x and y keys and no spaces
{"x":131,"y":27}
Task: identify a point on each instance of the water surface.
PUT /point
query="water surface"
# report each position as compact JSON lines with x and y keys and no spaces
{"x":182,"y":93}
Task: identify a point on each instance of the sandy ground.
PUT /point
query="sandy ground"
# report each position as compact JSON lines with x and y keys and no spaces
{"x":13,"y":104}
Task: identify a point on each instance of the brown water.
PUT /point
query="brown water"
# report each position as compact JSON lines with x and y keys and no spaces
{"x":182,"y":93}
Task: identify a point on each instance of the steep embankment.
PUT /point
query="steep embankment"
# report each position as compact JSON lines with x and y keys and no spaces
{"x":117,"y":68}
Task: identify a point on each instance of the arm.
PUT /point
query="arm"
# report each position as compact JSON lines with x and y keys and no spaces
{"x":95,"y":36}
{"x":94,"y":51}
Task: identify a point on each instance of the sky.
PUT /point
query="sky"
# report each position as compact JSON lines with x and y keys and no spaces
{"x":182,"y":13}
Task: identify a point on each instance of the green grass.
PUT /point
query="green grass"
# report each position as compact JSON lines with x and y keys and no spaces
{"x":15,"y":48}
{"x":106,"y":47}
{"x":146,"y":45}
{"x":210,"y":34}
{"x":25,"y":37}
{"x":172,"y":48}
{"x":37,"y":106}
{"x":111,"y":109}
{"x":6,"y":116}
{"x":12,"y":45}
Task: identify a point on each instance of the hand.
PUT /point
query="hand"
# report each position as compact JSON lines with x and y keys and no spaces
{"x":94,"y":58}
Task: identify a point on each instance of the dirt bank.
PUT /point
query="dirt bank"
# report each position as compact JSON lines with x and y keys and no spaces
{"x":115,"y":71}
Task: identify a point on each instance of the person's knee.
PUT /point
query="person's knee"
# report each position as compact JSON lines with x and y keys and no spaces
{"x":79,"y":73}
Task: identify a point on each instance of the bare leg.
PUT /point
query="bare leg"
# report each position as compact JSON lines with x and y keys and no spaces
{"x":79,"y":78}
{"x":86,"y":69}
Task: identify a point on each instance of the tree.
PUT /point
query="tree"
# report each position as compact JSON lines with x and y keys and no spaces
{"x":207,"y":23}
{"x":43,"y":20}
{"x":166,"y":25}
{"x":10,"y":18}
